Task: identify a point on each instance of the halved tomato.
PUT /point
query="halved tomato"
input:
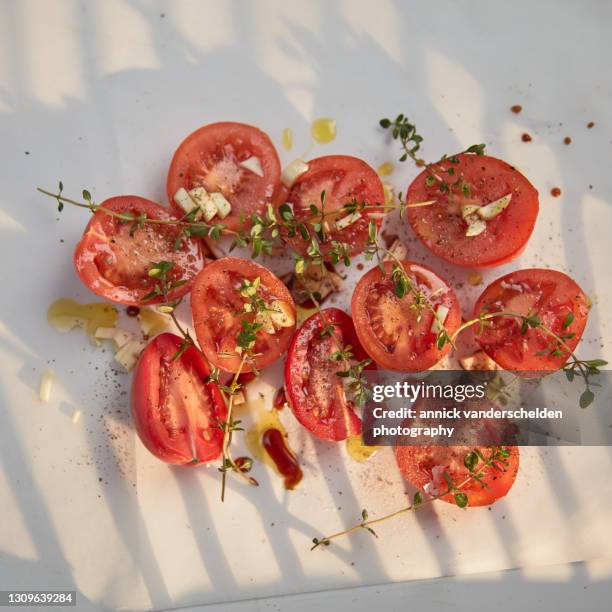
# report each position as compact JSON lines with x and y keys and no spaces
{"x":557,"y":301}
{"x":401,"y":333}
{"x":211,"y":158}
{"x":175,"y":410}
{"x":315,"y":393}
{"x":113,"y":259}
{"x":343,"y":179}
{"x":424,"y":467}
{"x":474,"y":181}
{"x":218,"y":308}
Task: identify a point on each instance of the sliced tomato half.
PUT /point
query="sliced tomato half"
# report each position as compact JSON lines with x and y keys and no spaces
{"x":175,"y":410}
{"x":344,"y":179}
{"x":472,"y":180}
{"x":315,"y":393}
{"x":424,"y":468}
{"x":213,"y":157}
{"x":219,"y":311}
{"x":113,"y":257}
{"x":402,"y":333}
{"x":548,"y":295}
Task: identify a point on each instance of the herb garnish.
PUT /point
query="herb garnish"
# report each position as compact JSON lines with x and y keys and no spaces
{"x":477,"y":464}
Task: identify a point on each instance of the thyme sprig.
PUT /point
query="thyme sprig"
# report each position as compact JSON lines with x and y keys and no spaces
{"x":245,"y":342}
{"x":405,"y":131}
{"x":188,"y":226}
{"x":477,"y":464}
{"x":229,"y":426}
{"x":583,"y":368}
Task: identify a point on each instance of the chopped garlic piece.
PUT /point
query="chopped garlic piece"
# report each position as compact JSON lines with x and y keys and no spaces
{"x":183,"y":199}
{"x":253,"y":165}
{"x":119,"y":336}
{"x":323,"y":283}
{"x":202,"y":199}
{"x":282,"y":314}
{"x":469,"y":209}
{"x":46,"y":383}
{"x":475,"y":227}
{"x":104,"y":333}
{"x":128,"y":354}
{"x":478,"y":361}
{"x":76,"y":416}
{"x":493,"y":209}
{"x":264,"y":319}
{"x":348,"y":220}
{"x":396,"y":251}
{"x":239,"y":398}
{"x":441,"y":314}
{"x":223,"y":206}
{"x":293,"y":171}
{"x":122,"y":337}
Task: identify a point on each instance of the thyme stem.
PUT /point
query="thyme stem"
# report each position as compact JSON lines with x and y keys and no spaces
{"x":126,"y":217}
{"x":477,"y":473}
{"x":228,"y":429}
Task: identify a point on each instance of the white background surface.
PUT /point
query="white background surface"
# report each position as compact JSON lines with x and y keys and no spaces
{"x":99,"y":94}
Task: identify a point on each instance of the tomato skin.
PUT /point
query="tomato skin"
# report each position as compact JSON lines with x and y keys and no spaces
{"x":554,"y":296}
{"x":441,"y":228}
{"x":217,"y":308}
{"x":343,"y":178}
{"x":393,"y":334}
{"x":184,"y":439}
{"x":416,"y":462}
{"x":107,"y":238}
{"x":210,"y":147}
{"x":305,"y":376}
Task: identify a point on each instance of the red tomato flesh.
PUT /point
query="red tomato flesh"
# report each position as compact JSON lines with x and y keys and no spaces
{"x":425,"y":465}
{"x":115,"y":264}
{"x":441,"y":227}
{"x":342,"y":178}
{"x":397,"y":333}
{"x":210,"y":158}
{"x":314,"y":392}
{"x":176,"y":412}
{"x":554,"y":297}
{"x":218,"y":312}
